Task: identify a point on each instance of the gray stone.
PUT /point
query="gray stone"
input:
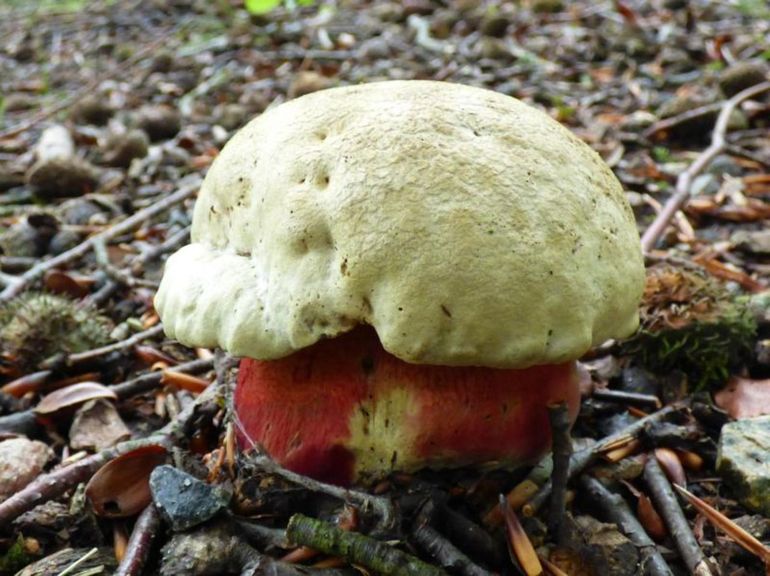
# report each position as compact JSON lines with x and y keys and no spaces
{"x":743,"y":461}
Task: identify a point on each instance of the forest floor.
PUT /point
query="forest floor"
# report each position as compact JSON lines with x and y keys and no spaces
{"x":111,"y":114}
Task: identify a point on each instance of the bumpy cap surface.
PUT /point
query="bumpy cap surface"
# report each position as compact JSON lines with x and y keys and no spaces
{"x":466,"y":227}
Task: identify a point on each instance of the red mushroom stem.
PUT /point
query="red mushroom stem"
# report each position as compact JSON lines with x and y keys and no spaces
{"x":345,"y":410}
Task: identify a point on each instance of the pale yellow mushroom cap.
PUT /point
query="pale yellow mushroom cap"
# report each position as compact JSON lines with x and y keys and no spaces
{"x":466,"y":227}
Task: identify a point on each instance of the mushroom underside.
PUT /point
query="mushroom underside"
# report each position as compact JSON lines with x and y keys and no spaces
{"x":345,"y":411}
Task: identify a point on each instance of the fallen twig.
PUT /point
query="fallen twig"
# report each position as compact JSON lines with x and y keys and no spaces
{"x":446,"y":554}
{"x":615,"y":509}
{"x":140,"y":543}
{"x":138,"y":218}
{"x":582,"y":458}
{"x":561,"y":451}
{"x":129,"y":342}
{"x":678,"y":119}
{"x":668,"y":507}
{"x":357,"y":548}
{"x":684,"y":181}
{"x":738,"y":534}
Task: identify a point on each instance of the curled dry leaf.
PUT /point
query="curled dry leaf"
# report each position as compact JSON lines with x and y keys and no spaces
{"x":150,"y":355}
{"x":744,"y":398}
{"x":73,"y":395}
{"x":72,"y":285}
{"x":650,"y":519}
{"x":121,"y":488}
{"x":671,"y":465}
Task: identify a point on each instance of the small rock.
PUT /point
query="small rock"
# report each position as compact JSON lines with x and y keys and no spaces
{"x":704,"y":184}
{"x":375,"y":48}
{"x":609,"y":551}
{"x":121,"y":149}
{"x":96,"y":426}
{"x":231,"y":116}
{"x":742,"y":75}
{"x":78,"y":211}
{"x":724,"y":164}
{"x":184,"y":500}
{"x":159,"y":122}
{"x":753,"y":242}
{"x":387,"y":11}
{"x":61,"y":177}
{"x":21,"y":461}
{"x":29,"y":237}
{"x":742,"y":461}
{"x":214,"y":549}
{"x":63,"y":240}
{"x":307,"y":81}
{"x":92,"y":109}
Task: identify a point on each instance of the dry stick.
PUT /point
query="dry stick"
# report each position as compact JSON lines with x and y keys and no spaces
{"x":674,"y":121}
{"x":140,"y":543}
{"x":152,"y":380}
{"x":53,"y":484}
{"x":444,"y":552}
{"x":615,"y":509}
{"x":667,"y":505}
{"x":684,"y":181}
{"x":582,"y":458}
{"x":558,"y":416}
{"x":84,"y":247}
{"x":474,"y":538}
{"x":356,"y":548}
{"x":634,"y":398}
{"x":129,"y":342}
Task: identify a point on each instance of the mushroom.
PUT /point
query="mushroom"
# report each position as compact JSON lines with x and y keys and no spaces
{"x":410,"y":270}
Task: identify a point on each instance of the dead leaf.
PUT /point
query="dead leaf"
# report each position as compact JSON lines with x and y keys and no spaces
{"x":97,"y":425}
{"x":72,"y":396}
{"x":121,"y":488}
{"x":744,"y":398}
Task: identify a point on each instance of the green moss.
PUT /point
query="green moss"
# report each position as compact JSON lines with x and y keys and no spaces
{"x":37,"y":325}
{"x":691,"y":324}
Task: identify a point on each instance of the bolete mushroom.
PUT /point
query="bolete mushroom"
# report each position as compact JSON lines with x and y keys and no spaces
{"x":410,"y":270}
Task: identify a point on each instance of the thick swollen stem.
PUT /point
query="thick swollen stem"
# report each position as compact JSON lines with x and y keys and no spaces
{"x":344,"y":410}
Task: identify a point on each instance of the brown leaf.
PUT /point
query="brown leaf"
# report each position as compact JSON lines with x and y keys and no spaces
{"x":744,"y":397}
{"x":72,"y":396}
{"x":518,"y":542}
{"x":672,"y":466}
{"x":73,"y":285}
{"x":121,"y":487}
{"x":96,"y":426}
{"x":650,"y":519}
{"x":27,"y":383}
